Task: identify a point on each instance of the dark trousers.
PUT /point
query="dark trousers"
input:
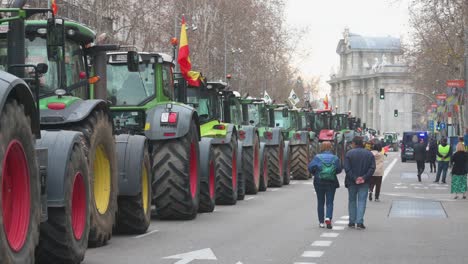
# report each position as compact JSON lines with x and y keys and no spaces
{"x":442,"y":167}
{"x":433,"y":165}
{"x":377,"y":182}
{"x":421,"y":167}
{"x":325,"y":194}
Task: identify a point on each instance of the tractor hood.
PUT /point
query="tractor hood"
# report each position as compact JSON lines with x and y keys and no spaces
{"x":326,"y":135}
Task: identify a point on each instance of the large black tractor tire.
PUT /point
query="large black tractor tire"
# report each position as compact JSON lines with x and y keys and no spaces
{"x":299,"y":162}
{"x":275,"y":166}
{"x":99,"y":148}
{"x":313,"y":149}
{"x":264,"y":169}
{"x":16,"y":141}
{"x":134,"y":213}
{"x":286,"y":165}
{"x":341,"y":151}
{"x":176,"y":167}
{"x":207,"y":186}
{"x":240,"y":173}
{"x":64,"y":236}
{"x":251,"y":167}
{"x":226,"y":172}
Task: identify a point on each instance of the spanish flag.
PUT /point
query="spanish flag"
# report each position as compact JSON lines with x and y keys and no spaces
{"x":53,"y":5}
{"x":192,"y":77}
{"x":325,"y":102}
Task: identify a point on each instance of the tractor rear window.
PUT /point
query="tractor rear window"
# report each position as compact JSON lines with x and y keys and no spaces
{"x":129,"y":88}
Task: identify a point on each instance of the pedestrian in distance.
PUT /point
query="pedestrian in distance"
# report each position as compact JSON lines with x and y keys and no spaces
{"x":325,"y":166}
{"x":432,"y":154}
{"x":359,"y":166}
{"x":443,"y":160}
{"x":459,"y":171}
{"x":376,"y":179}
{"x":420,"y":156}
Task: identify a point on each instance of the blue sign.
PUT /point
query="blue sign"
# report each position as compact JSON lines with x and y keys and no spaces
{"x":442,"y":125}
{"x":430,"y":125}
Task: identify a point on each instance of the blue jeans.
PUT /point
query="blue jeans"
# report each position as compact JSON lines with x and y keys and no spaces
{"x":325,"y":193}
{"x":357,"y":195}
{"x":442,"y":166}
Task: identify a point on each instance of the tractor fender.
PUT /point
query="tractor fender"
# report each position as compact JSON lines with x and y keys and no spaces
{"x":250,"y":134}
{"x":205,"y":145}
{"x":76,"y":112}
{"x":130,"y":159}
{"x":276,"y":138}
{"x":59,"y":145}
{"x":155,"y":131}
{"x":231,"y":130}
{"x":14,"y":87}
{"x":286,"y":152}
{"x":302,"y":140}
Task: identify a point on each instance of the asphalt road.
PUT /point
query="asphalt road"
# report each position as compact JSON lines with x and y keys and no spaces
{"x":280,"y":226}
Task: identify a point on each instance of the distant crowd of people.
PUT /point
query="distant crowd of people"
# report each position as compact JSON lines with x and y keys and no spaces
{"x":365,"y":169}
{"x":446,"y":157}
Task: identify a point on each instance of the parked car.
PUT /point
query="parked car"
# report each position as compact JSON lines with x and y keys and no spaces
{"x":408,"y":141}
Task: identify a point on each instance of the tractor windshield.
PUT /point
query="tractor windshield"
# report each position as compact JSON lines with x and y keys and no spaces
{"x":258,"y":114}
{"x":205,"y":101}
{"x":284,"y":122}
{"x":130,"y":88}
{"x":36,"y":53}
{"x":340,"y":122}
{"x":321,"y":121}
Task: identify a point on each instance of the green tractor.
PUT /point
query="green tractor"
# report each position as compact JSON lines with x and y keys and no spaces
{"x":391,"y":139}
{"x":65,"y":103}
{"x":260,"y":158}
{"x":260,"y":114}
{"x":340,"y":123}
{"x":293,"y":130}
{"x":219,"y":145}
{"x":44,"y":180}
{"x":140,"y":87}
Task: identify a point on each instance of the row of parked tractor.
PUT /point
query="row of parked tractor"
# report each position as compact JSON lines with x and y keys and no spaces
{"x":95,"y":140}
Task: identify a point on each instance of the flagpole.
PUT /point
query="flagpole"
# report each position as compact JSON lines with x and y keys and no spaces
{"x":225,"y":52}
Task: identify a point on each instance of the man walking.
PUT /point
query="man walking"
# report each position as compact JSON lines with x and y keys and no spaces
{"x":359,"y":167}
{"x":420,"y":156}
{"x":443,"y":159}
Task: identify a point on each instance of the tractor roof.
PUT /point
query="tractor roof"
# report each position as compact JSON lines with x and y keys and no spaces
{"x":216,"y":85}
{"x":144,"y":56}
{"x":80,"y":33}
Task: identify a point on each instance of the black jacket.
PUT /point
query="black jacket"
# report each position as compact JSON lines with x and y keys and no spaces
{"x":419,"y":152}
{"x":359,"y":162}
{"x":459,"y":161}
{"x":432,"y":153}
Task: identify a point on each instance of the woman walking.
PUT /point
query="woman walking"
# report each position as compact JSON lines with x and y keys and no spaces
{"x":376,"y":179}
{"x":459,"y":161}
{"x":325,"y":166}
{"x":432,"y":154}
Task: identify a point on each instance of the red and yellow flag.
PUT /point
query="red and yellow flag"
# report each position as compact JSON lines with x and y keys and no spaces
{"x":325,"y":102}
{"x":192,"y":77}
{"x":53,"y":5}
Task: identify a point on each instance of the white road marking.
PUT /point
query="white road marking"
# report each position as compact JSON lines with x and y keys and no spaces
{"x":292,"y":182}
{"x":345,"y":217}
{"x":304,"y":263}
{"x":250,"y":198}
{"x":341,"y":222}
{"x":188,"y":257}
{"x":416,"y":184}
{"x":421,"y":188}
{"x":400,"y":187}
{"x":388,"y":169}
{"x":338,"y":228}
{"x":321,"y":243}
{"x":274,"y":190}
{"x":146,"y":234}
{"x":312,"y":254}
{"x":433,"y":184}
{"x":329,"y":235}
{"x":441,"y":188}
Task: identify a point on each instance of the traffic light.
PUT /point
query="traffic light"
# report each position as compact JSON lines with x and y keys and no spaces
{"x":382,"y":94}
{"x":395,"y":113}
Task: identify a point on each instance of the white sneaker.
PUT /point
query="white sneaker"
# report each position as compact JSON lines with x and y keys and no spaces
{"x":322,"y":225}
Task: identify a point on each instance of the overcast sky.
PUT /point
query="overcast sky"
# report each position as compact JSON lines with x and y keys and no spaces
{"x":326,"y":20}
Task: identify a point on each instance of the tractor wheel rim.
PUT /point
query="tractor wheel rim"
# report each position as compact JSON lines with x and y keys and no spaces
{"x":193,"y":170}
{"x":144,"y":188}
{"x":234,"y":169}
{"x":102,"y":180}
{"x":16,"y":200}
{"x":256,"y":173}
{"x":211,"y":180}
{"x":78,"y":211}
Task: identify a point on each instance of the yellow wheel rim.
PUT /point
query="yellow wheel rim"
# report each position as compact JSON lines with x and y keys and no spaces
{"x":144,"y":186}
{"x":102,"y":180}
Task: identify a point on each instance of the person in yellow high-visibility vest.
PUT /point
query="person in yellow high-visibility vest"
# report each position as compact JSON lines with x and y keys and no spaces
{"x":443,"y":160}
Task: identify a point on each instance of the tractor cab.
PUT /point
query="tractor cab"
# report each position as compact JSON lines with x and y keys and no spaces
{"x":206,"y":100}
{"x":255,"y":112}
{"x":323,"y":125}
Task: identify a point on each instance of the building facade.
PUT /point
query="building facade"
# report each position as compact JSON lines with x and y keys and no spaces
{"x":368,"y":64}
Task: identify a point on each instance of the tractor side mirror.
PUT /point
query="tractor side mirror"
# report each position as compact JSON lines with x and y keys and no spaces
{"x":133,"y":61}
{"x":277,"y":124}
{"x":285,"y":112}
{"x":42,"y":68}
{"x":251,"y":122}
{"x":55,"y":38}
